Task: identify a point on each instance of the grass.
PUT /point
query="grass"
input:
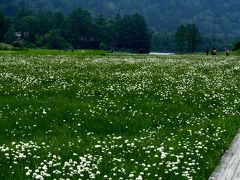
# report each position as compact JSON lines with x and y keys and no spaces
{"x":55,"y":52}
{"x":237,"y":52}
{"x":116,"y":116}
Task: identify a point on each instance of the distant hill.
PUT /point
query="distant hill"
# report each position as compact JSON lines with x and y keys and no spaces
{"x":218,"y":17}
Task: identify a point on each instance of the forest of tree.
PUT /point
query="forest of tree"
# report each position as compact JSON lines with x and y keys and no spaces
{"x":217,"y":20}
{"x":218,"y":17}
{"x":78,"y":30}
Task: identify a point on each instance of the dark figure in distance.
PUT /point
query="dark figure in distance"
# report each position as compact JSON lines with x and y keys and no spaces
{"x":207,"y":52}
{"x":227,"y":52}
{"x":213,"y":51}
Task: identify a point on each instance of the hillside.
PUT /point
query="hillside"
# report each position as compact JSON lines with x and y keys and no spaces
{"x":213,"y":17}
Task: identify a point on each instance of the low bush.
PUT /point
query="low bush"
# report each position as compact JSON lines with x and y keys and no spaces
{"x":4,"y":46}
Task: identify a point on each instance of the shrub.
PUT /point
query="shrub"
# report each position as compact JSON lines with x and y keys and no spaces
{"x":102,"y":46}
{"x":4,"y":46}
{"x":236,"y":46}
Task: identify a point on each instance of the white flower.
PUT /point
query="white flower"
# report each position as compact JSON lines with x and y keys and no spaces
{"x":39,"y":177}
{"x":44,"y":111}
{"x":44,"y":168}
{"x":139,"y":177}
{"x":131,"y":175}
{"x":66,"y":164}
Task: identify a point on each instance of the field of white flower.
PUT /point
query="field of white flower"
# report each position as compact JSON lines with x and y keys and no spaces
{"x":116,"y":117}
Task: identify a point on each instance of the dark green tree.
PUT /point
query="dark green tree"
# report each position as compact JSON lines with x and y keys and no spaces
{"x":193,"y":38}
{"x":181,"y":39}
{"x":10,"y":36}
{"x":115,"y":26}
{"x":134,"y":34}
{"x":103,"y":29}
{"x":79,"y":30}
{"x":187,"y":39}
{"x":58,"y":20}
{"x":53,"y":40}
{"x":1,"y":27}
{"x":45,"y":22}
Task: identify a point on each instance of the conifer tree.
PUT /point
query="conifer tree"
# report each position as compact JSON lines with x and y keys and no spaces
{"x":187,"y":39}
{"x":134,"y":34}
{"x":180,"y":39}
{"x":193,"y":38}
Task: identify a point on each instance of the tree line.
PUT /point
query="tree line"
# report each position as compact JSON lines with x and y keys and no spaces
{"x":78,"y":30}
{"x":188,"y":39}
{"x":215,"y":17}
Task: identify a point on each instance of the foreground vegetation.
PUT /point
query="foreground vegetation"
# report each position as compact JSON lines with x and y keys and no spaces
{"x":116,"y":117}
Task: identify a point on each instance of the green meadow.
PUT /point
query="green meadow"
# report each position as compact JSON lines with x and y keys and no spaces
{"x":96,"y":115}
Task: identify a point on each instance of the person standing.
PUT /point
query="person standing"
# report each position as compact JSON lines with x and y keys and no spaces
{"x":207,"y":52}
{"x":227,"y":52}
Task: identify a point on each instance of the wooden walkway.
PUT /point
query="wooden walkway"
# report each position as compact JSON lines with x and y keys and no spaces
{"x":229,"y":168}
